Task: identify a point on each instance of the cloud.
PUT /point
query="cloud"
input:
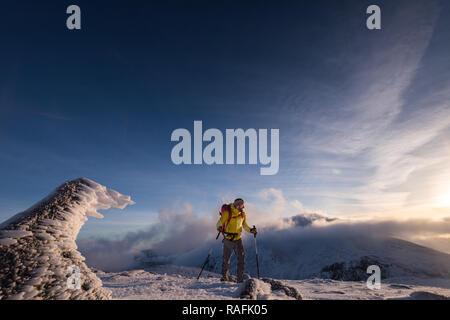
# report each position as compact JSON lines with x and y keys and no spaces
{"x":270,"y":206}
{"x":408,"y":229}
{"x":180,"y":229}
{"x":177,"y":230}
{"x":387,"y":111}
{"x":309,"y":242}
{"x":183,"y":229}
{"x":433,"y":233}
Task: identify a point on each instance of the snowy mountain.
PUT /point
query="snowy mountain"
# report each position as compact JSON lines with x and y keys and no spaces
{"x":39,"y":259}
{"x":305,"y":251}
{"x":38,"y":254}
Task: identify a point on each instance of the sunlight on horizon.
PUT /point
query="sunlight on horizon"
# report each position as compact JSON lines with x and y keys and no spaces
{"x":444,"y":199}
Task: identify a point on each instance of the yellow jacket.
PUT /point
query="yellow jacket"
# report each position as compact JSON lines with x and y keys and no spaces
{"x":237,"y":222}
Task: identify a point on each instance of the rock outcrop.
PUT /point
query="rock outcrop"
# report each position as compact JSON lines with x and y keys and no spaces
{"x":38,"y":254}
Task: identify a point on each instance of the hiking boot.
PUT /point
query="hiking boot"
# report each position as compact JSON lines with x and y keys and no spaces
{"x":223,"y":279}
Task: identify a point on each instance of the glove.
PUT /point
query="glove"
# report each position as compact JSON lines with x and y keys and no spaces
{"x":220,"y":229}
{"x":254,"y":231}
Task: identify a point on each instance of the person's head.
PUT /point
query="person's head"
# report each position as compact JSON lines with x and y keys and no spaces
{"x":239,"y":204}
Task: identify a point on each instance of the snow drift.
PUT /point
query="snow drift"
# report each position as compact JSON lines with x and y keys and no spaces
{"x":38,"y":252}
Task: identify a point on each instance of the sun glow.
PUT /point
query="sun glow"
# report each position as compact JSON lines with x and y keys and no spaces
{"x":444,"y":199}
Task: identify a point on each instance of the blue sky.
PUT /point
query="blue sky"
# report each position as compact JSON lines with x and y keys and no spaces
{"x":363,"y":115}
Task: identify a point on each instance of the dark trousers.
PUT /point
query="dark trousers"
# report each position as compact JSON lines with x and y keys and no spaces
{"x":228,"y":248}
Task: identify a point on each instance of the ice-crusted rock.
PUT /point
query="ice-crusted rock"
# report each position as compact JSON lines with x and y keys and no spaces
{"x":266,"y":289}
{"x":423,"y":295}
{"x":355,"y":270}
{"x":38,"y":253}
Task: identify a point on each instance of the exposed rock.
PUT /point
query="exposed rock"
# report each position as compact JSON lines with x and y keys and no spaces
{"x":423,"y":295}
{"x":255,"y":289}
{"x":355,"y":270}
{"x":399,"y":286}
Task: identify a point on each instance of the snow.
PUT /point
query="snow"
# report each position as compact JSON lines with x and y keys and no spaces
{"x":261,"y":291}
{"x":38,"y":246}
{"x":171,"y":282}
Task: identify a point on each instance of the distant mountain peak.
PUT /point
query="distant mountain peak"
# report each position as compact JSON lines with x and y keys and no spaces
{"x":306,"y":219}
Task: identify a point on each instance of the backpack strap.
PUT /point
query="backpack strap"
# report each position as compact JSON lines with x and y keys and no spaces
{"x":224,"y":225}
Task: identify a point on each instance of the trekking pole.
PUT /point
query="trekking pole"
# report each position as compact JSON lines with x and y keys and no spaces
{"x":207,"y":258}
{"x":256,"y":250}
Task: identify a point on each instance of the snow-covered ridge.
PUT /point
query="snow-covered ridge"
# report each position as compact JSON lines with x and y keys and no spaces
{"x":37,"y":246}
{"x":304,"y":251}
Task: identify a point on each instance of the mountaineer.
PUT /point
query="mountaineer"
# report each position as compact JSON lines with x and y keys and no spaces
{"x":231,"y":222}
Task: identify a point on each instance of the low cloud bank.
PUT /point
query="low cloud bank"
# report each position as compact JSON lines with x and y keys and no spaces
{"x":177,"y":230}
{"x":180,"y":230}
